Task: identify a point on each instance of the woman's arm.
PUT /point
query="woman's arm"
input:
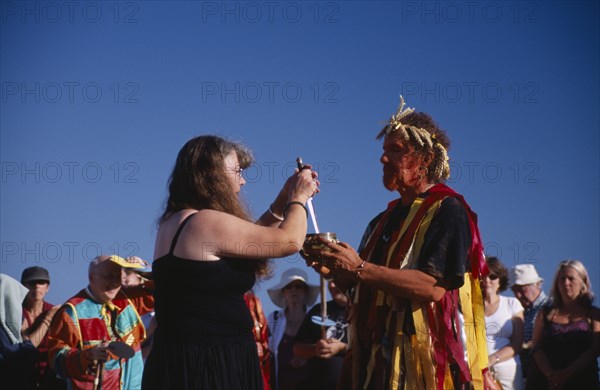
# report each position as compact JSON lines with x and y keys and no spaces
{"x":217,"y":234}
{"x":516,"y":341}
{"x":36,"y":332}
{"x":273,"y":216}
{"x":213,"y":234}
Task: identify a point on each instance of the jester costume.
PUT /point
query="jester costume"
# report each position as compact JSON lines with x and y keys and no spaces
{"x":399,"y":343}
{"x":83,"y":323}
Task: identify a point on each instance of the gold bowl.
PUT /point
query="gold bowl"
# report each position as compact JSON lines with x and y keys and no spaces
{"x":313,"y":246}
{"x":312,"y":243}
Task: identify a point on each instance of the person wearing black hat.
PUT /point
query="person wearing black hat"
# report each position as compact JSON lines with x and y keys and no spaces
{"x":37,"y":316}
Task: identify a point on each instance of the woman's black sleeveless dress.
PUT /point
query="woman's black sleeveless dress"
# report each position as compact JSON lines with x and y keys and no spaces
{"x":204,"y":337}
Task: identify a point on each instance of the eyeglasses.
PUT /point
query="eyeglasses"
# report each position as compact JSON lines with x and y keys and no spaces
{"x":492,"y":276}
{"x":236,"y":171}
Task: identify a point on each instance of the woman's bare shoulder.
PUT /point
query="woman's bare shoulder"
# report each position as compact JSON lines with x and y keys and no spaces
{"x":595,"y":313}
{"x":167,"y":229}
{"x":211,"y":220}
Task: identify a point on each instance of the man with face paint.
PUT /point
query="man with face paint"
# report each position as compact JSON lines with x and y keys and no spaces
{"x":417,"y":313}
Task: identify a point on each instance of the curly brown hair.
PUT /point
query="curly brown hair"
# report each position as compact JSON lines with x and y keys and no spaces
{"x":438,"y":169}
{"x":497,"y":268}
{"x":198,"y":181}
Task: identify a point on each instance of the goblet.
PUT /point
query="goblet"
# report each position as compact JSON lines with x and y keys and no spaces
{"x":313,"y":247}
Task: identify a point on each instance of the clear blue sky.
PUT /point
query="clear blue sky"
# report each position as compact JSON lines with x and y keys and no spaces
{"x":98,"y":97}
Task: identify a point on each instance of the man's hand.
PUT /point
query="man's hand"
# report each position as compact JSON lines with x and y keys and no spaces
{"x":338,"y":257}
{"x":97,"y":353}
{"x":50,"y":313}
{"x":328,"y":348}
{"x":136,"y":260}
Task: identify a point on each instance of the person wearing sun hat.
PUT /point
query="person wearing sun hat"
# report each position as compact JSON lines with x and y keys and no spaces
{"x":526,"y":284}
{"x":102,"y":313}
{"x":294,"y":295}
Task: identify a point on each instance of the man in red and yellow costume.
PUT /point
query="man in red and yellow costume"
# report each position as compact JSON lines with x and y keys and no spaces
{"x":417,"y":317}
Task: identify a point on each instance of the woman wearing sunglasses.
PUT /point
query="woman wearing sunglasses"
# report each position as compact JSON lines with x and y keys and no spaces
{"x":504,"y":327}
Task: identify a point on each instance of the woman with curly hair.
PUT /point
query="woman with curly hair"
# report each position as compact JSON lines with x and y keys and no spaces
{"x":504,"y":327}
{"x":208,"y":253}
{"x":566,"y":334}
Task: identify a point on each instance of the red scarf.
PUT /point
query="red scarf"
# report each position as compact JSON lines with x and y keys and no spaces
{"x":443,"y":317}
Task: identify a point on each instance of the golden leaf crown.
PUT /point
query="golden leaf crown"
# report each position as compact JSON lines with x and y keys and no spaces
{"x":426,"y":140}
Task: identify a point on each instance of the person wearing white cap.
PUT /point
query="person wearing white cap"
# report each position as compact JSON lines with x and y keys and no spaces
{"x":294,"y":295}
{"x":526,"y":284}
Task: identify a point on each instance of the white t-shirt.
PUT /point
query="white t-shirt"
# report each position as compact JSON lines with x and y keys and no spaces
{"x":499,"y":326}
{"x":499,"y":329}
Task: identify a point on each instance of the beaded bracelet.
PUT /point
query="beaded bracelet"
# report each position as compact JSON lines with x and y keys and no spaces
{"x":360,"y":267}
{"x":273,"y":213}
{"x":287,"y":206}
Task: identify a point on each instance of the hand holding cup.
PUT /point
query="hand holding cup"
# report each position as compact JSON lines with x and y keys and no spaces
{"x":313,"y":248}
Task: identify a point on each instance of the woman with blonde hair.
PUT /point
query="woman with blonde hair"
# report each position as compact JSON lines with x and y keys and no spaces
{"x":566,"y":334}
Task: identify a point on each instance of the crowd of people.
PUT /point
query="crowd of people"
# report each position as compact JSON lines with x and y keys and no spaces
{"x":561,"y":346}
{"x":416,"y":305}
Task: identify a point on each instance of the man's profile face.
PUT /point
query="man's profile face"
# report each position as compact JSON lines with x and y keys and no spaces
{"x":105,"y":281}
{"x":526,"y":294}
{"x":400,"y":164}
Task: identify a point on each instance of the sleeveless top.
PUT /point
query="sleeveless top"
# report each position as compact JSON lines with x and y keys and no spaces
{"x":562,"y":344}
{"x":202,"y":301}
